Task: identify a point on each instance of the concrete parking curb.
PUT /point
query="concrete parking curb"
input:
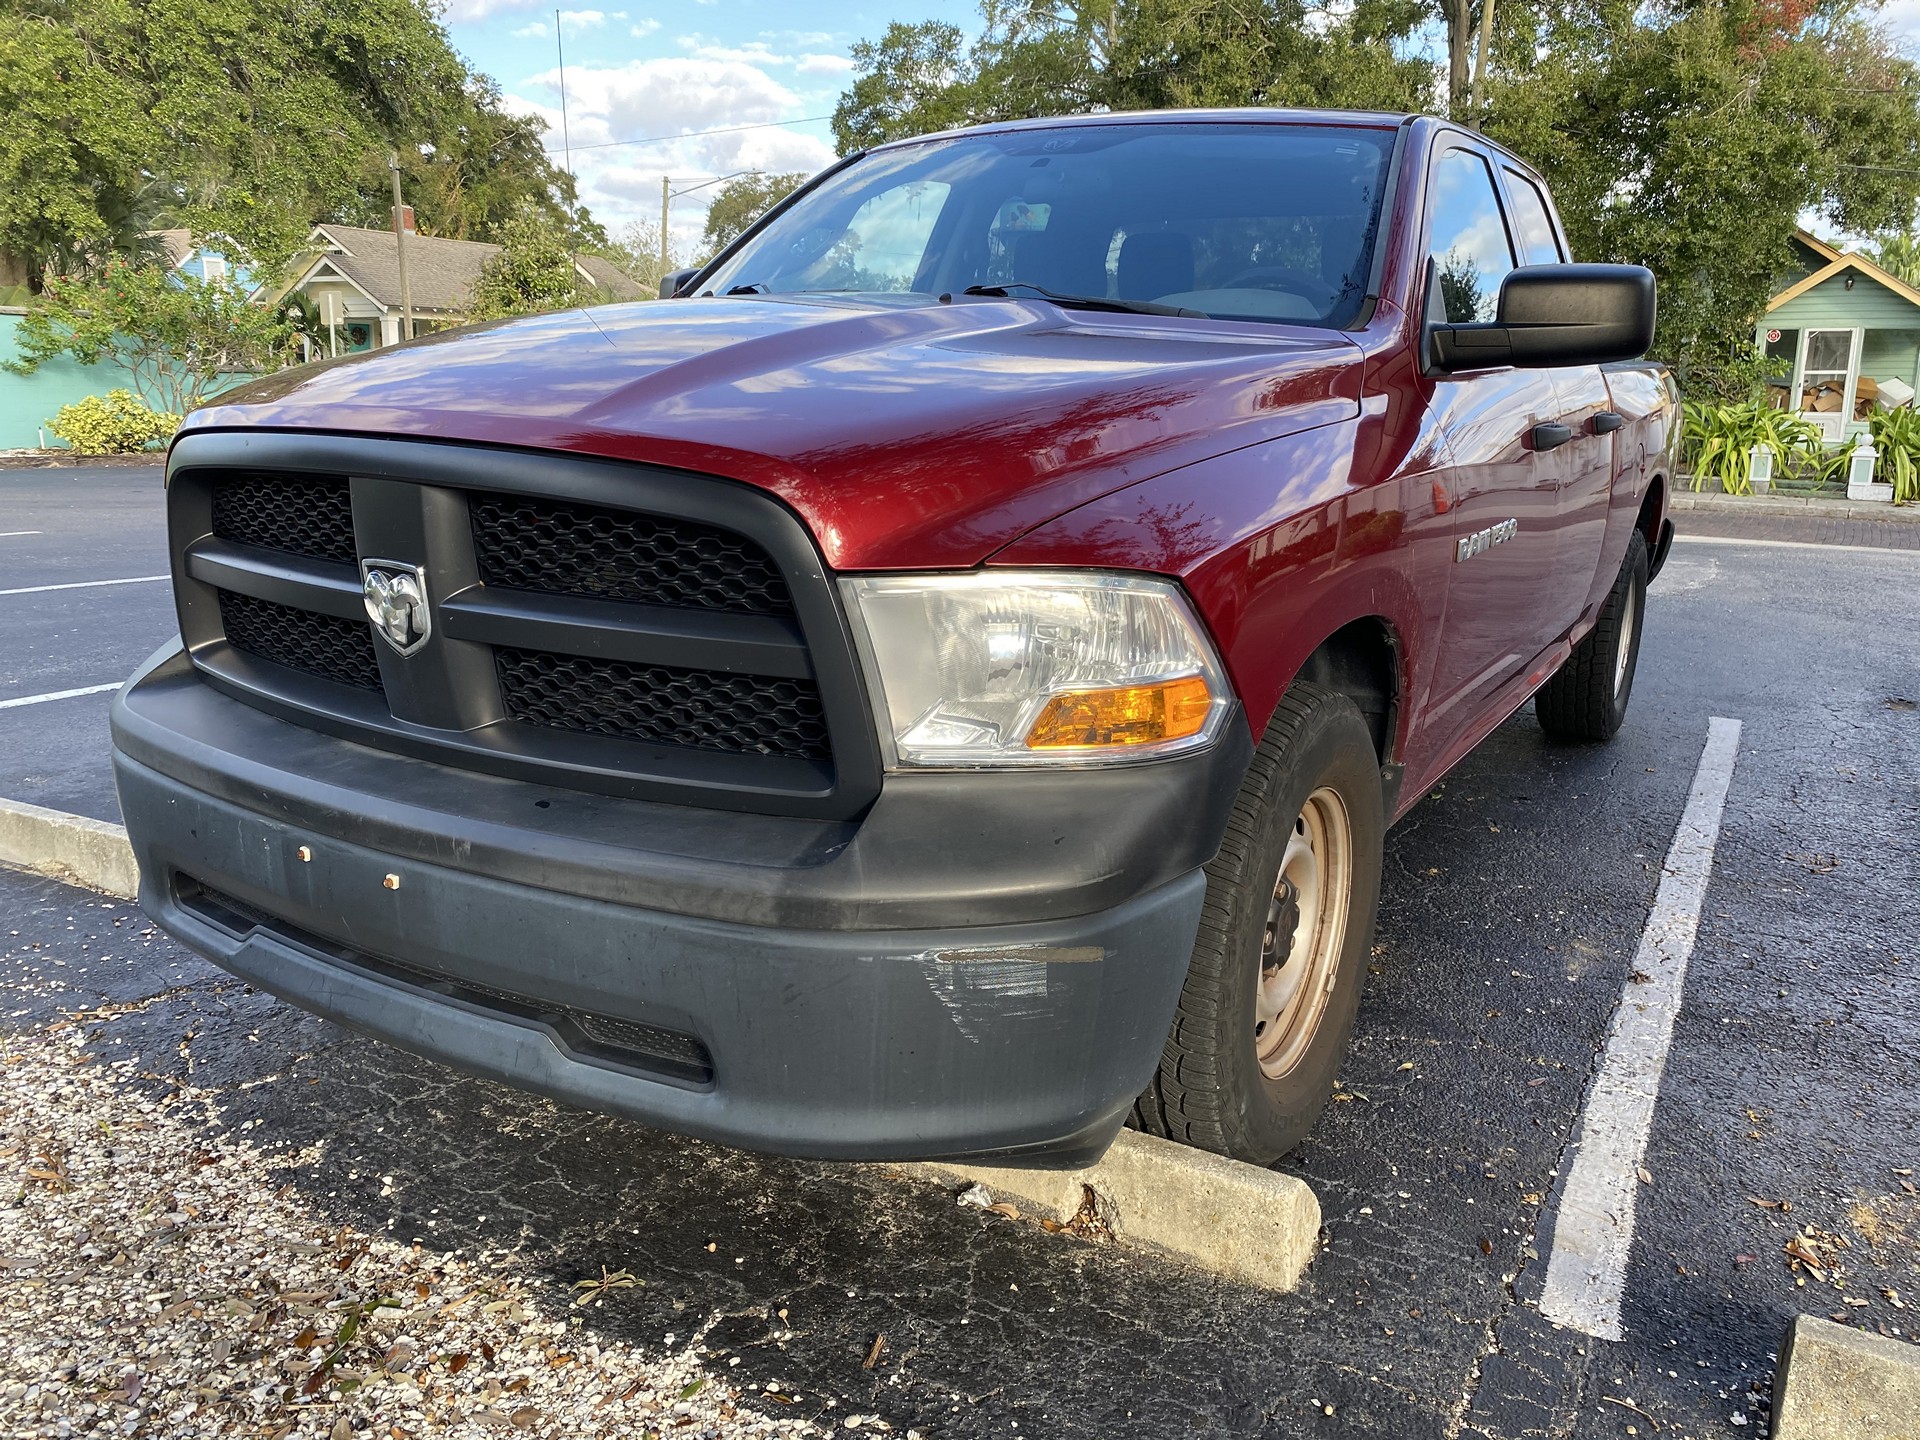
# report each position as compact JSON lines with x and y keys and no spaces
{"x":1236,"y":1220}
{"x":1806,"y":507}
{"x":1838,"y":1383}
{"x":70,"y":847}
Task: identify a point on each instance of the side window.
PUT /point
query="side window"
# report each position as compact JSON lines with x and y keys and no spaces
{"x":1532,"y":225}
{"x":884,"y":244}
{"x":1468,"y":239}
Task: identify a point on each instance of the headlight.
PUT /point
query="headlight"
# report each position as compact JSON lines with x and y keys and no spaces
{"x":1035,"y":667}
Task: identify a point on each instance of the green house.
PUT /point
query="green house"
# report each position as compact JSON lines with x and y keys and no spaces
{"x":1840,"y":337}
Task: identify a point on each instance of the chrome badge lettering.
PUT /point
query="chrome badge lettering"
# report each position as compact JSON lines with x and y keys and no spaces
{"x":1482,"y":541}
{"x":396,"y":599}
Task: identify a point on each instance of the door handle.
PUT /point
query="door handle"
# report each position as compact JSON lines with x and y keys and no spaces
{"x":1608,"y":421}
{"x":1551,"y":435}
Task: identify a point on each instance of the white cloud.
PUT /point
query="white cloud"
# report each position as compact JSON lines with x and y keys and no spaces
{"x":536,"y":31}
{"x":458,"y":11}
{"x":823,"y":65}
{"x":813,"y":60}
{"x":583,"y":19}
{"x":644,"y":28}
{"x":667,"y":97}
{"x":754,"y":52}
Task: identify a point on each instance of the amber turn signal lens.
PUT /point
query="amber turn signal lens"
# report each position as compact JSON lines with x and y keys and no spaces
{"x":1128,"y":715}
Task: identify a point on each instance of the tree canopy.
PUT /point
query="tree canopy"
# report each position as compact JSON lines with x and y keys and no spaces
{"x":1687,"y":135}
{"x":533,"y":272}
{"x":247,"y":122}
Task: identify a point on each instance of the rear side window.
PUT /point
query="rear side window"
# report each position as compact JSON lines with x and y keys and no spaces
{"x":1467,"y":238}
{"x":1532,"y":226}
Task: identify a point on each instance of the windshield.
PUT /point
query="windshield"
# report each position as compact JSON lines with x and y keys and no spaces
{"x":1236,"y":221}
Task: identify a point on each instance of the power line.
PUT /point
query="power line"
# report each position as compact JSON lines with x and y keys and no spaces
{"x":691,"y":134}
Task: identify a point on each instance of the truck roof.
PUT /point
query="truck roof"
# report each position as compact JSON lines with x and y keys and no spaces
{"x":1238,"y":115}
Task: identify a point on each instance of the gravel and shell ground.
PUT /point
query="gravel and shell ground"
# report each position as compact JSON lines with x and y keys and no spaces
{"x":167,"y":1279}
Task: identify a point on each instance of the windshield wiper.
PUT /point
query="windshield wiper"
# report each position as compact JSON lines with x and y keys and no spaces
{"x":1004,"y":291}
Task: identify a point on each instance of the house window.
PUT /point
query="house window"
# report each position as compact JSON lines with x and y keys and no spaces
{"x":1783,"y":349}
{"x":1826,"y":372}
{"x":213,"y":267}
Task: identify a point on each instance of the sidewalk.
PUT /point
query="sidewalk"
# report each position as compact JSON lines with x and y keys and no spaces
{"x":1834,"y":507}
{"x":66,"y":460}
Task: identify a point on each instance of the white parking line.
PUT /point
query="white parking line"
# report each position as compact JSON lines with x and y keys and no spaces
{"x":9,"y":534}
{"x":1593,"y":1231}
{"x":84,"y":585}
{"x":1684,"y":539}
{"x":57,"y":695}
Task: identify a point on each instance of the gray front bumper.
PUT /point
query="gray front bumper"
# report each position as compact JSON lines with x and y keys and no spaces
{"x":1021,"y":1039}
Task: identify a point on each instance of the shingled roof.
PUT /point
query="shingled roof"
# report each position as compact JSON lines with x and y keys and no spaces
{"x":440,"y":273}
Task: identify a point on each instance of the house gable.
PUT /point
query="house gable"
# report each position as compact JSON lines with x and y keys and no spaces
{"x":1823,"y":300}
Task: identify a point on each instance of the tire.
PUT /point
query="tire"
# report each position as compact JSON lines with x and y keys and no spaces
{"x":1226,"y":1082}
{"x":1587,"y":697}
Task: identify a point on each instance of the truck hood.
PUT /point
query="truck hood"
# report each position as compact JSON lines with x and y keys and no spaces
{"x":918,"y":435}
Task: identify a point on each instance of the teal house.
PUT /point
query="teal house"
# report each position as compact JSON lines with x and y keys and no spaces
{"x":1841,"y":336}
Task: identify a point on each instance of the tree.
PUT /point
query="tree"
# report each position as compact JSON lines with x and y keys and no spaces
{"x":177,"y":337}
{"x":1899,"y":256}
{"x":912,"y":81}
{"x":1693,"y":140}
{"x":743,"y":200}
{"x":245,"y":122}
{"x":636,"y":251}
{"x":472,"y":166}
{"x":533,"y":273}
{"x":1041,"y":57}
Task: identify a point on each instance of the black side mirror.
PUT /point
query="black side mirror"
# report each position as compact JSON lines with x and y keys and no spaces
{"x":1554,"y":315}
{"x":671,"y":282}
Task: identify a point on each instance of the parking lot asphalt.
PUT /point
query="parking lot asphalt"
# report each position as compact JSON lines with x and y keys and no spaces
{"x":70,"y":528}
{"x":1515,"y":898}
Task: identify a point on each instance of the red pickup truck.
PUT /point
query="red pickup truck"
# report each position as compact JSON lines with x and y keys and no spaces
{"x":937,"y":687}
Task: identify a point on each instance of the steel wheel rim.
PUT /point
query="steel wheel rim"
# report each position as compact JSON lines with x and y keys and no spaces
{"x":1297,"y":969}
{"x":1621,"y":661}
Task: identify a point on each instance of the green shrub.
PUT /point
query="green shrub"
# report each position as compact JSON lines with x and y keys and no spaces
{"x":1896,"y":435}
{"x":117,"y":423}
{"x":1719,"y":440}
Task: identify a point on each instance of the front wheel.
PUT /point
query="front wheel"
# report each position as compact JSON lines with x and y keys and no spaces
{"x":1276,"y":972}
{"x":1587,"y":697}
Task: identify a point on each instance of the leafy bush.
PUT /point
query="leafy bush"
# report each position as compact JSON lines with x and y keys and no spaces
{"x":1896,"y":435}
{"x":118,"y":423}
{"x":1719,"y":441}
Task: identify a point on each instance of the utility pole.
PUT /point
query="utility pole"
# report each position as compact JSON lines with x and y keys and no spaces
{"x":400,"y":248}
{"x":666,"y":198}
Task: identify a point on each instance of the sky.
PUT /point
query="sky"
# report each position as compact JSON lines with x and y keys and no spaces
{"x":634,"y":74}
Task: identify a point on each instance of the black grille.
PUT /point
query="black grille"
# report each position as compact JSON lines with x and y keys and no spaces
{"x":323,"y":645}
{"x":303,"y":515}
{"x":566,"y":549}
{"x":664,"y":705}
{"x":607,"y":1037}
